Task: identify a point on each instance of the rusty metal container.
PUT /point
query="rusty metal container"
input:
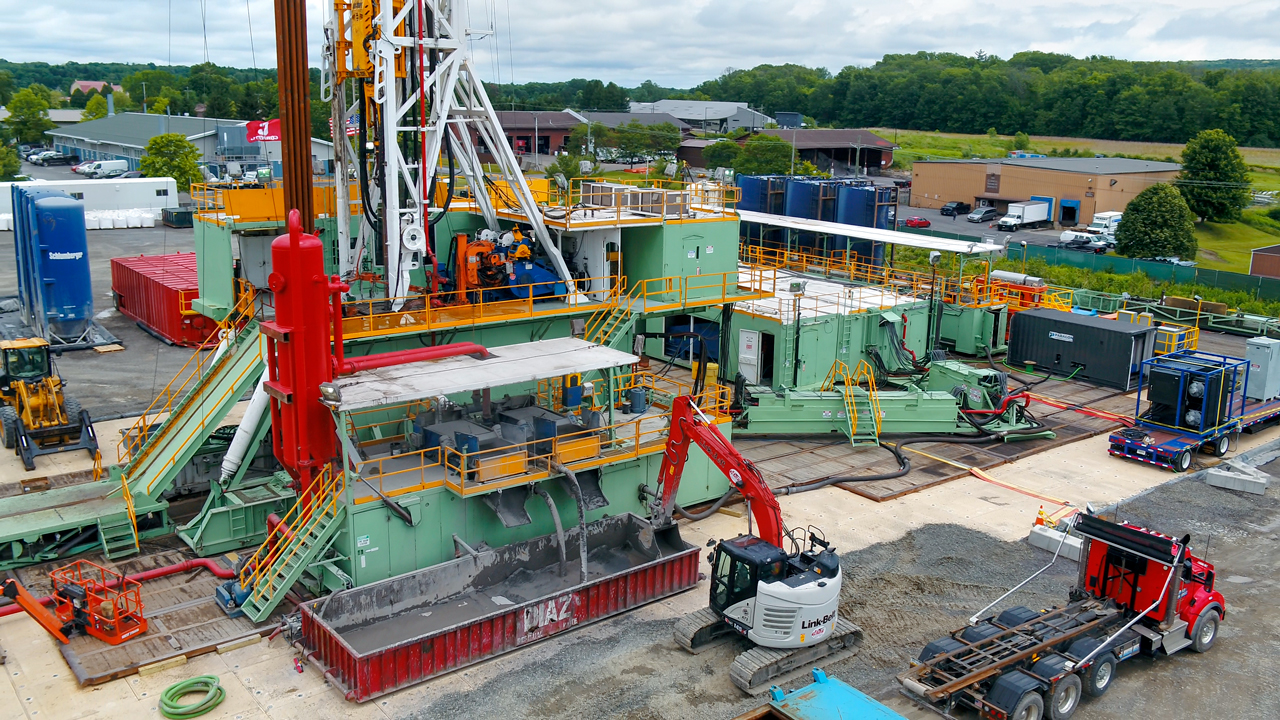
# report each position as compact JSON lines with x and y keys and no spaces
{"x":388,"y":635}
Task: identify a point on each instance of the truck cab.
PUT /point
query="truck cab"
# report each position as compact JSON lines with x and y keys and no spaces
{"x":773,"y":599}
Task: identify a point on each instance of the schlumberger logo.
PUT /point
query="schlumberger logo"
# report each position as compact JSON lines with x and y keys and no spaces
{"x":65,"y":255}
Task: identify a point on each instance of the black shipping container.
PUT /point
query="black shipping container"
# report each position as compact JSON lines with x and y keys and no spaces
{"x":1106,"y":352}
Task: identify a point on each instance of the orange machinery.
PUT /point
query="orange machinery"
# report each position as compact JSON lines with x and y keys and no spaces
{"x":87,"y":598}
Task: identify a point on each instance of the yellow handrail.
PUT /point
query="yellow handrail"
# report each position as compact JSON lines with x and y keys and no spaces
{"x":293,"y":531}
{"x":128,"y":505}
{"x":864,"y":372}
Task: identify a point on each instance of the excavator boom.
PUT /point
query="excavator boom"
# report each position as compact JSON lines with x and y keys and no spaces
{"x":689,"y":424}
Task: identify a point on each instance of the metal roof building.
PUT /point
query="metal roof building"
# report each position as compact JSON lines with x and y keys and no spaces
{"x":839,"y":151}
{"x":1074,"y":188}
{"x":709,"y":115}
{"x":124,"y":136}
{"x":615,"y":119}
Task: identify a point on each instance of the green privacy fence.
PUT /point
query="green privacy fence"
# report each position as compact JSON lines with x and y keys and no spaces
{"x":1260,"y":287}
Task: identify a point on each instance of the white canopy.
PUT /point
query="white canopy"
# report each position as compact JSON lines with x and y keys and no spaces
{"x":964,"y":247}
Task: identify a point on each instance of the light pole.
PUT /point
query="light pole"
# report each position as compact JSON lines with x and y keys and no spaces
{"x":1024,"y":257}
{"x":1199,"y":302}
{"x":793,"y":151}
{"x":144,"y":97}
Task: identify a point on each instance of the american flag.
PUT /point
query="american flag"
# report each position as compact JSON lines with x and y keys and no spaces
{"x":353,"y":125}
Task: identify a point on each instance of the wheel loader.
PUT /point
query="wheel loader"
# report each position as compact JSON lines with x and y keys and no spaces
{"x":36,"y":417}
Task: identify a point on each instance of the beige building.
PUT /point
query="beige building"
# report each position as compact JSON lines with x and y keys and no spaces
{"x":1075,"y":188}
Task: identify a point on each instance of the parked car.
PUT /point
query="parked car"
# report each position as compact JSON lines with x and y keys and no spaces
{"x":32,"y":150}
{"x":983,"y":214}
{"x":80,"y":166}
{"x":133,"y":174}
{"x":1083,"y":244}
{"x":35,"y":158}
{"x":916,"y":222}
{"x":59,"y":159}
{"x":955,"y":208}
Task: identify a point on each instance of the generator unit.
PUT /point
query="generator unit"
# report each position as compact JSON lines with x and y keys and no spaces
{"x":1263,"y":354}
{"x":1194,"y":391}
{"x":1102,"y":351}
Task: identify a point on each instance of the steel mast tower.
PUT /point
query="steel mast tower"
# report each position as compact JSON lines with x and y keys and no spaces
{"x":419,"y":98}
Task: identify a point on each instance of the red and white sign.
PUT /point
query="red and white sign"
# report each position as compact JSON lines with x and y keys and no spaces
{"x":263,"y":131}
{"x":546,"y":618}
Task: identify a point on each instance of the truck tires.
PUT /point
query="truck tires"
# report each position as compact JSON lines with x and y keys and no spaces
{"x":1098,"y":676}
{"x":1182,"y":462}
{"x":9,"y":423}
{"x":1030,"y":707}
{"x":72,"y":406}
{"x":1065,"y":698}
{"x":1205,"y":631}
{"x":1220,"y":447}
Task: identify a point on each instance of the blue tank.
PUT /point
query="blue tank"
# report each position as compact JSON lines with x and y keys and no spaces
{"x":54,"y":284}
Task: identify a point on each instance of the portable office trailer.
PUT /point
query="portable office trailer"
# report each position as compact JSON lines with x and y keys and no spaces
{"x":115,"y":194}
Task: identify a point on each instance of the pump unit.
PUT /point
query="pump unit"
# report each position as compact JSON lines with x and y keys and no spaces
{"x":1102,"y":351}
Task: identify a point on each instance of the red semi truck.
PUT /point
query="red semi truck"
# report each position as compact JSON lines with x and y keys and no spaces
{"x":1138,"y":592}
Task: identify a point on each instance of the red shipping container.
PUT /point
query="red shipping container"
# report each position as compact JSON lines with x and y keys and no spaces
{"x":157,"y":290}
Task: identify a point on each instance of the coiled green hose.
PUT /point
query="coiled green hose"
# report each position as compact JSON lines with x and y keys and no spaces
{"x":170,"y":706}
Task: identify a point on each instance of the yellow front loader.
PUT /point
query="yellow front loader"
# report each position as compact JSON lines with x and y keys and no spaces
{"x":37,"y":418}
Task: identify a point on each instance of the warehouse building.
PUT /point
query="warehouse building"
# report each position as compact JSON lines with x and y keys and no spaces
{"x":618,"y":119}
{"x":841,"y":151}
{"x":708,"y":115}
{"x":1075,"y":188}
{"x":124,"y":136}
{"x":1265,"y":262}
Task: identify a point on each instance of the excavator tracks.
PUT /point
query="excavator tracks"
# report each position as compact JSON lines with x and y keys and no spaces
{"x":755,"y":670}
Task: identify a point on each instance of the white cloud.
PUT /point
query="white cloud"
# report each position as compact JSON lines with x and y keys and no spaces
{"x":673,"y":42}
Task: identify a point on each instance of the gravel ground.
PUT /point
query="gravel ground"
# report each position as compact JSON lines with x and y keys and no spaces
{"x":905,"y":594}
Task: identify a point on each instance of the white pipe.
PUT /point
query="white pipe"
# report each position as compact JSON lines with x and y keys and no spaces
{"x":244,"y":434}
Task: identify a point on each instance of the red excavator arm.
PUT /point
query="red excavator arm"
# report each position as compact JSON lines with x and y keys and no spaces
{"x":13,"y":590}
{"x":689,"y":424}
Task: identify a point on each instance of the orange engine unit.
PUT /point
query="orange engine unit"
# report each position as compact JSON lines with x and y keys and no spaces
{"x":100,"y":602}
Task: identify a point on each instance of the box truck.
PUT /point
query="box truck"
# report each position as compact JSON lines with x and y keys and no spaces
{"x":1027,"y":214}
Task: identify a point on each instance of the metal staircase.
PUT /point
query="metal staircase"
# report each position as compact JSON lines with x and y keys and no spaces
{"x":611,"y":325}
{"x":297,"y":542}
{"x":862,"y":420}
{"x":206,"y":394}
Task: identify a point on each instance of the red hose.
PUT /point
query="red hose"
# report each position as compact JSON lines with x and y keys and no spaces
{"x":1003,"y":406}
{"x":184,"y":566}
{"x":400,"y":357}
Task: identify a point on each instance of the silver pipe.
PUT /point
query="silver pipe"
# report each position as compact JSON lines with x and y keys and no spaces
{"x":973,"y":620}
{"x":582,"y":514}
{"x":555,"y":517}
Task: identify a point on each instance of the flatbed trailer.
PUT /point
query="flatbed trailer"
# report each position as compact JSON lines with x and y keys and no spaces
{"x":1138,"y":592}
{"x":1197,"y":402}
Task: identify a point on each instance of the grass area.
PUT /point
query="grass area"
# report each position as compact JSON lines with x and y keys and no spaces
{"x":1226,"y":246}
{"x":1265,"y":178}
{"x":956,"y":145}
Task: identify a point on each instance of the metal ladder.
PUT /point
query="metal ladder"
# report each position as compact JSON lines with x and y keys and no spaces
{"x":862,"y":420}
{"x":302,"y":536}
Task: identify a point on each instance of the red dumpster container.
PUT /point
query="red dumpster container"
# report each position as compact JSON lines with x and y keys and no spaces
{"x":157,"y":290}
{"x":375,"y":639}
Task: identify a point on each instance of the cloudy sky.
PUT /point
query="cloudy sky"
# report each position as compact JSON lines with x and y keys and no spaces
{"x":673,"y":42}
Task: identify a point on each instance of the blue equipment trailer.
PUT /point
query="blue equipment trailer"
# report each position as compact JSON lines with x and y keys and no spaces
{"x":1197,"y":401}
{"x":826,"y":698}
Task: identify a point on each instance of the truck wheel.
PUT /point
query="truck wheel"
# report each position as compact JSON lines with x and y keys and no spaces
{"x":9,"y":421}
{"x":1098,"y":677}
{"x":1205,"y":631}
{"x":1220,"y":446}
{"x":72,"y":406}
{"x":1030,"y":707}
{"x":1182,"y":462}
{"x":1065,"y":698}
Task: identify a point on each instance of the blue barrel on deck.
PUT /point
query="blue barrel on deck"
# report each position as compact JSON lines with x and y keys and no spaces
{"x":55,"y":285}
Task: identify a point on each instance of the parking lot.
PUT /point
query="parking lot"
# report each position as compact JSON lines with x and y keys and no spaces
{"x":960,"y":225}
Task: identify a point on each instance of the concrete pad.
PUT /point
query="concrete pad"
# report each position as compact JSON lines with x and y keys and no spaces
{"x":239,"y":704}
{"x":1049,"y":539}
{"x":45,"y":687}
{"x":1236,"y":481}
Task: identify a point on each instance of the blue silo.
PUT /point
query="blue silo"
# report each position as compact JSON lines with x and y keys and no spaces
{"x":54,"y":283}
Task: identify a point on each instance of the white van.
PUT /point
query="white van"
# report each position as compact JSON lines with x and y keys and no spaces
{"x":105,"y":166}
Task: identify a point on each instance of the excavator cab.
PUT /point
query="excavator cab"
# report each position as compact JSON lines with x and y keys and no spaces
{"x":739,"y":566}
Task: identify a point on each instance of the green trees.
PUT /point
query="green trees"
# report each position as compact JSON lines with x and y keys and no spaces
{"x":7,"y":86}
{"x":10,"y":163}
{"x":1215,"y":179}
{"x":570,"y":166}
{"x":1157,"y":223}
{"x":172,"y":155}
{"x":28,"y":115}
{"x":595,"y":95}
{"x":721,"y":154}
{"x":95,"y":109}
{"x":764,"y":155}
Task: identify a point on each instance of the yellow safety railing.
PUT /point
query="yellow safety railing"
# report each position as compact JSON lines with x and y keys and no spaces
{"x":486,"y":470}
{"x":591,"y":201}
{"x":603,"y":321}
{"x":187,"y":377}
{"x":1170,"y":337}
{"x":128,"y":505}
{"x":247,"y":201}
{"x":444,"y":310}
{"x":285,"y":540}
{"x":864,"y":373}
{"x":839,"y":372}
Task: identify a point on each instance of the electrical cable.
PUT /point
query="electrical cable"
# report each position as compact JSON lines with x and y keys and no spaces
{"x":170,"y":700}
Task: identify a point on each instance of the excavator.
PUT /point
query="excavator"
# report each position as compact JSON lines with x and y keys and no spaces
{"x":780,"y":589}
{"x":36,"y":417}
